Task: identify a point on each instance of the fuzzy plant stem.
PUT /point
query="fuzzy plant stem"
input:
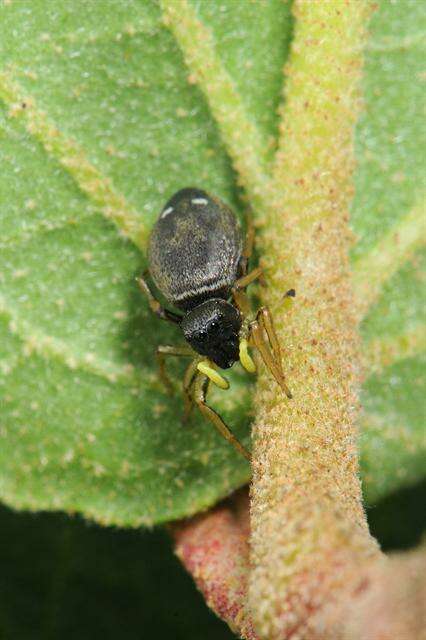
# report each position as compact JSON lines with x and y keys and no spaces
{"x":309,"y":533}
{"x":389,"y":604}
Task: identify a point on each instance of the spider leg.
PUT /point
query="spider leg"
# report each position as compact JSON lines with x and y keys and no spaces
{"x":247,"y":279}
{"x":155,"y":306}
{"x":265,"y":317}
{"x":200,"y":391}
{"x":161,"y":352}
{"x":248,"y":245}
{"x":270,"y":350}
{"x":188,"y":380}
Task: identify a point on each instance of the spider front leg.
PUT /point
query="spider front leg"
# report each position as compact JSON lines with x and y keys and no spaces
{"x":201,"y":385}
{"x":269,"y":349}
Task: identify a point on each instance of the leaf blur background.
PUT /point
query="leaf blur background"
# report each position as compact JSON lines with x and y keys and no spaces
{"x":85,"y":426}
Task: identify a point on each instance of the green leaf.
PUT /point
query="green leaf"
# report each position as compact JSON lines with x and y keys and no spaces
{"x":389,"y":184}
{"x":100,"y":121}
{"x":86,"y":424}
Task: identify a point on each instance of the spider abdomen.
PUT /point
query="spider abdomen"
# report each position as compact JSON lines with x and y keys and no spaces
{"x":195,"y":249}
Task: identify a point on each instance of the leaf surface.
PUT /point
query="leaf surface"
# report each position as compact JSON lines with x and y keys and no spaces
{"x":100,"y":122}
{"x":389,"y":184}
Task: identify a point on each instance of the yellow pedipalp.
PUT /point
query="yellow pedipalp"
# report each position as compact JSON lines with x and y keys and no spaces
{"x":245,"y":358}
{"x":206,"y":368}
{"x":288,"y":299}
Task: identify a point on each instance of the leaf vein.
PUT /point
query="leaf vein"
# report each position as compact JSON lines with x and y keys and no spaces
{"x":395,"y":44}
{"x":72,"y":157}
{"x":240,"y":135}
{"x":383,"y":352}
{"x":372,"y":271}
{"x":35,"y":341}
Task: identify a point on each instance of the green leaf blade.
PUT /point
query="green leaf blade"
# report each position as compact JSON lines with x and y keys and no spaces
{"x":389,"y":184}
{"x":119,"y":126}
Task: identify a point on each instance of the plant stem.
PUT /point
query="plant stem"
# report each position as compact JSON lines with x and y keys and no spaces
{"x":308,"y":525}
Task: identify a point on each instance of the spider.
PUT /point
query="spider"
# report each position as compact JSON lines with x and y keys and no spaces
{"x":199,"y":262}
